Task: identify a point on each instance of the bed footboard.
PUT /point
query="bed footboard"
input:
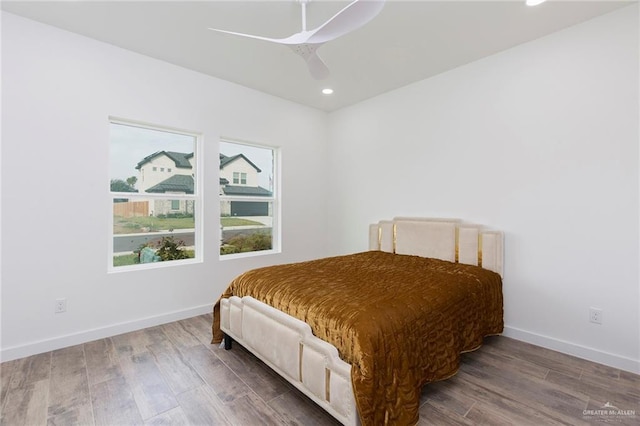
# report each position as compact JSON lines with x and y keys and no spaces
{"x":288,"y":346}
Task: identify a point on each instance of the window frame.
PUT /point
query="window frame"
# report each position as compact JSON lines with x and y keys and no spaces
{"x":274,"y":199}
{"x":196,"y":197}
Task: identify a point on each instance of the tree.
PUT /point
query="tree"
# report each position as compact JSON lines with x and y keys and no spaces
{"x":132,"y":181}
{"x":118,"y":185}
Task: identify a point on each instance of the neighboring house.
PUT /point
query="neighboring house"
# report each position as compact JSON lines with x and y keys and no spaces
{"x":239,"y":178}
{"x":168,"y":172}
{"x":176,"y":184}
{"x":161,"y":165}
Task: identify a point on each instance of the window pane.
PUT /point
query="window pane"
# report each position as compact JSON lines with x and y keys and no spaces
{"x":246,"y":226}
{"x":152,"y":171}
{"x":142,"y":237}
{"x":247,"y":203}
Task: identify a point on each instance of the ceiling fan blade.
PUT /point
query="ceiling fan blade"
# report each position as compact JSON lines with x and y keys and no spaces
{"x":352,"y":17}
{"x":317,"y":67}
{"x":305,"y":43}
{"x":294,"y":39}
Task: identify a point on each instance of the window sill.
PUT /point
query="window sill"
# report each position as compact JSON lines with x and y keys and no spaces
{"x":249,"y":254}
{"x":152,"y":265}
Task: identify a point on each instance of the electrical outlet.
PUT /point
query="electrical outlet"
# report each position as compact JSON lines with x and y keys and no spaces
{"x":61,"y":306}
{"x":595,"y":315}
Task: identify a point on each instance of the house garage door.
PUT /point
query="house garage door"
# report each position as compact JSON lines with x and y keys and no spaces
{"x":249,"y":208}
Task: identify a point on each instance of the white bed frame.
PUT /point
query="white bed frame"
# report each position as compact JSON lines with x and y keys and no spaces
{"x":287,"y":344}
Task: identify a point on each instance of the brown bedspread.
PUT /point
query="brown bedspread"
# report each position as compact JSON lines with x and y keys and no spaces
{"x":400,"y":321}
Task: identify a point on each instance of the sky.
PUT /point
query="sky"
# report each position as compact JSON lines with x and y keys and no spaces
{"x":130,"y":144}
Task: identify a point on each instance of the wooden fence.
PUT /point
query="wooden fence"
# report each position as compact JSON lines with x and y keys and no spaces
{"x":131,"y":209}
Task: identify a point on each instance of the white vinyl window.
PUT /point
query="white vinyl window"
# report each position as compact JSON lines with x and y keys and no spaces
{"x":249,"y":207}
{"x":155,"y":216}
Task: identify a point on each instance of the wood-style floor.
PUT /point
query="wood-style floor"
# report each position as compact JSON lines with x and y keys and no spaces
{"x":171,"y":375}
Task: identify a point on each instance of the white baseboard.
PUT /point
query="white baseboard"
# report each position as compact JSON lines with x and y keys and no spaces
{"x":41,"y":346}
{"x":584,"y":352}
{"x":15,"y":352}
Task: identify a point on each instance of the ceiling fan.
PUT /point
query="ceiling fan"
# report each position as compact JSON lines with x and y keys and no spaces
{"x":306,"y":43}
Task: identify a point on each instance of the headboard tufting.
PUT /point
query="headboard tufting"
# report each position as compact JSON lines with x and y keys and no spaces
{"x":446,"y":239}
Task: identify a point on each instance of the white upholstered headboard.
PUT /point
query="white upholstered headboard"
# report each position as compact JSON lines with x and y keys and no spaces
{"x":446,"y":239}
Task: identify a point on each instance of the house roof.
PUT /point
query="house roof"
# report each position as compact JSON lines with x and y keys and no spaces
{"x":176,"y":183}
{"x":180,"y":159}
{"x":246,"y":190}
{"x":224,"y":160}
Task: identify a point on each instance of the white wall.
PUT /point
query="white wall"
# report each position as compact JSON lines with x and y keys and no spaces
{"x":540,"y":141}
{"x":58,"y":90}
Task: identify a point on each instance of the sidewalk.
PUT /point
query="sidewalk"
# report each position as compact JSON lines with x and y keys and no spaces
{"x":161,"y":232}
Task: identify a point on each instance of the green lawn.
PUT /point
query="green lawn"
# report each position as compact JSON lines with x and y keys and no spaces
{"x":124,"y":260}
{"x":132,"y":225}
{"x":132,"y":259}
{"x":236,"y":221}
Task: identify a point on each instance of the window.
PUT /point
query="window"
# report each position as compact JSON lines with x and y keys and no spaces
{"x":155,"y":216}
{"x":248,"y":199}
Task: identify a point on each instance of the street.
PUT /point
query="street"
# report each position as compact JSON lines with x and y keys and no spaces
{"x":131,"y":242}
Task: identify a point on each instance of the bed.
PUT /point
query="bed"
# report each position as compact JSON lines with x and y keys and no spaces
{"x":361,"y":334}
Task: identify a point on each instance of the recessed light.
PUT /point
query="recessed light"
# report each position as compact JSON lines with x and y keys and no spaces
{"x":534,"y":2}
{"x":327,"y":91}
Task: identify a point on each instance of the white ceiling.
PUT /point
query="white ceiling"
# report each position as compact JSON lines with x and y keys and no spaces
{"x":407,"y":42}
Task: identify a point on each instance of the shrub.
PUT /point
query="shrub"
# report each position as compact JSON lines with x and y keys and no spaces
{"x":179,"y":215}
{"x":246,"y":243}
{"x":227,"y":249}
{"x":169,"y":249}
